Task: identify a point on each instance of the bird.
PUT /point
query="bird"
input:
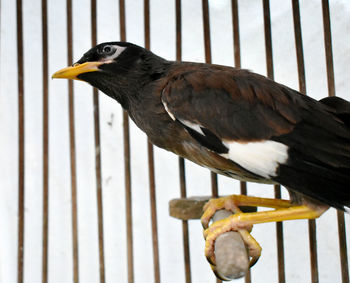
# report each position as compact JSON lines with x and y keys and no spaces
{"x":236,"y":123}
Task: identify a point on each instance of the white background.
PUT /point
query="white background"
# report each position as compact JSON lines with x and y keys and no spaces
{"x":166,"y":164}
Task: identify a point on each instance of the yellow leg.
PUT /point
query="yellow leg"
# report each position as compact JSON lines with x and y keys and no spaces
{"x":232,"y":202}
{"x":243,"y":220}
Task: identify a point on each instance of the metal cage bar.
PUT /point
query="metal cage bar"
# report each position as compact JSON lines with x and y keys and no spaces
{"x":207,"y":51}
{"x":277,"y":188}
{"x":208,"y":59}
{"x":331,"y":92}
{"x":182,"y":173}
{"x":97,"y":140}
{"x":72,"y":147}
{"x":45,"y":141}
{"x":21,"y":144}
{"x":237,"y":60}
{"x":127,"y":166}
{"x":152,"y":185}
{"x":302,"y":89}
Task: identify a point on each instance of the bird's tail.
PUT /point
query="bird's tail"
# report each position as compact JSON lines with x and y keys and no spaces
{"x":340,"y":107}
{"x":319,"y":154}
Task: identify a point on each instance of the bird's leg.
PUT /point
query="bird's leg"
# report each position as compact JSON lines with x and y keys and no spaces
{"x":232,"y":202}
{"x":246,"y":220}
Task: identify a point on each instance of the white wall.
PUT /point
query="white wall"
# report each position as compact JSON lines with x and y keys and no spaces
{"x":166,"y":164}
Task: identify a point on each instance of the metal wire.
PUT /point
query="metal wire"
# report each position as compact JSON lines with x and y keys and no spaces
{"x":98,"y":152}
{"x":72,"y":147}
{"x":152,"y":186}
{"x":21,"y":165}
{"x":302,"y":89}
{"x":207,"y":51}
{"x":331,"y":92}
{"x":237,"y":59}
{"x":277,"y":188}
{"x":45,"y":142}
{"x":182,"y":174}
{"x":127,"y":166}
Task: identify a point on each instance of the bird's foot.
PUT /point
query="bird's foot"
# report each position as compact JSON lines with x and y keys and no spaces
{"x":231,"y":223}
{"x":228,"y":203}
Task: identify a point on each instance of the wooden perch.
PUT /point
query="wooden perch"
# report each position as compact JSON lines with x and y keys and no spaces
{"x":232,"y":260}
{"x":192,"y":207}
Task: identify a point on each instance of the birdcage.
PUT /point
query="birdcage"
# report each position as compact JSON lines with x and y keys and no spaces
{"x":84,"y":195}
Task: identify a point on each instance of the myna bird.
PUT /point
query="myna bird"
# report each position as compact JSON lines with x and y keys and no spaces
{"x":236,"y":123}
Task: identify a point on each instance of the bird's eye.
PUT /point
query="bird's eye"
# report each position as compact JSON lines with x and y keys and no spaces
{"x":108,"y":50}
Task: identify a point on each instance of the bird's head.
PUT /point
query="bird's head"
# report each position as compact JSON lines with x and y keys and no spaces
{"x":118,"y":69}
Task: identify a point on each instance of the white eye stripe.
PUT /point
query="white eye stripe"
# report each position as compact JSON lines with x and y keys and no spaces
{"x":118,"y":51}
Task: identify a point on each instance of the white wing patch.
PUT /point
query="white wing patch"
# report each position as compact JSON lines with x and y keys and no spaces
{"x":167,"y":110}
{"x":189,"y":124}
{"x":193,"y":126}
{"x":261,"y":158}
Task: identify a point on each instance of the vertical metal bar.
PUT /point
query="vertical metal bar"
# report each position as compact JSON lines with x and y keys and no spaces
{"x":206,"y":27}
{"x":72,"y":147}
{"x":128,"y":203}
{"x":313,"y":251}
{"x":182,"y":174}
{"x":21,"y":148}
{"x":331,"y":92}
{"x":237,"y":58}
{"x":153,"y":213}
{"x":98,"y":151}
{"x":236,"y":37}
{"x":178,"y":30}
{"x":185,"y":232}
{"x":214,"y":185}
{"x":146,"y":13}
{"x":268,"y":39}
{"x":302,"y":89}
{"x":343,"y":247}
{"x":207,"y":50}
{"x":328,"y":47}
{"x":299,"y":46}
{"x":270,"y":74}
{"x":45,"y":142}
{"x":280,"y":243}
{"x":127,"y":170}
{"x":129,"y":230}
{"x":152,"y":185}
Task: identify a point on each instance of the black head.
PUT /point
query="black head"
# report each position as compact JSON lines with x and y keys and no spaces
{"x":119,"y":69}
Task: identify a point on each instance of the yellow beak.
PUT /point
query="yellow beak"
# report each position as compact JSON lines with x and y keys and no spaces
{"x":72,"y":72}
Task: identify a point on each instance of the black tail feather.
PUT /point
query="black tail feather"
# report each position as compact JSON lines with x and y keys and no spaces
{"x":339,"y":106}
{"x":319,"y":154}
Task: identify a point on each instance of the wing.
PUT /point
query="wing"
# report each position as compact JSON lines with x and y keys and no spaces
{"x":234,"y":113}
{"x":266,"y":128}
{"x":220,"y":100}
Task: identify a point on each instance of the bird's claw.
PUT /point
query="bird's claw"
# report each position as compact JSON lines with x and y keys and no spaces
{"x":213,"y":205}
{"x":230,"y":223}
{"x":217,"y":274}
{"x":253,"y":247}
